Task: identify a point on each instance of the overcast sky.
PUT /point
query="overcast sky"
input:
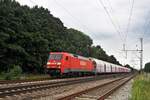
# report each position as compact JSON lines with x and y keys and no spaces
{"x":101,"y":23}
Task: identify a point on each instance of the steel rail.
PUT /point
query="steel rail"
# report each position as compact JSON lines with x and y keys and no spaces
{"x":69,"y":97}
{"x":34,"y":80}
{"x":105,"y":95}
{"x":8,"y":91}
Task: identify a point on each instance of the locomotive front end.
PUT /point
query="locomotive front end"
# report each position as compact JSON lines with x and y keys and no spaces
{"x":54,"y":64}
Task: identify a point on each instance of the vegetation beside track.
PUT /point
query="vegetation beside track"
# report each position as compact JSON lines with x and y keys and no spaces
{"x":28,"y":77}
{"x":141,"y":87}
{"x":27,"y":35}
{"x":16,"y":74}
{"x":33,"y":76}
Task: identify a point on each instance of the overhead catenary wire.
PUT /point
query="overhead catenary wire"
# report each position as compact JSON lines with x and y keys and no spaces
{"x":114,"y":21}
{"x":117,"y":22}
{"x":128,"y":25}
{"x":146,"y":24}
{"x":33,"y":2}
{"x":72,"y":20}
{"x":110,"y":18}
{"x":115,"y":18}
{"x":129,"y":20}
{"x":37,"y":4}
{"x":76,"y":19}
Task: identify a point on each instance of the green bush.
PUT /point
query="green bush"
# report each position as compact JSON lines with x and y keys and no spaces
{"x":8,"y":76}
{"x":14,"y":73}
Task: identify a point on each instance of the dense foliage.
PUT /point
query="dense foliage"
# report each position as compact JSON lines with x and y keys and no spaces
{"x":98,"y":52}
{"x":128,"y":66}
{"x":147,"y":67}
{"x":27,"y":35}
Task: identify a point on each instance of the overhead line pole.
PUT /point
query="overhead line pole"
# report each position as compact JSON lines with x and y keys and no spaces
{"x":141,"y":58}
{"x":141,"y":53}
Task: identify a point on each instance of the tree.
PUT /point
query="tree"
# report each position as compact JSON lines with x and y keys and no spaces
{"x":112,"y":59}
{"x":27,"y":35}
{"x":128,"y":66}
{"x":78,"y":42}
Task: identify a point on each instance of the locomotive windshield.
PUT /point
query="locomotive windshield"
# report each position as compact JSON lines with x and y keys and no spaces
{"x":55,"y":57}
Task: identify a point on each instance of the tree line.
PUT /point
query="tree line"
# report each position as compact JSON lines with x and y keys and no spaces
{"x":27,"y":35}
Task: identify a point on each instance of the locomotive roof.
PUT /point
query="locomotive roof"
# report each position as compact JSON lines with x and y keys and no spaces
{"x":80,"y":57}
{"x":73,"y":55}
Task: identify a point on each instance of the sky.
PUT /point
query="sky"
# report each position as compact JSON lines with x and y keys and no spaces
{"x":110,"y":23}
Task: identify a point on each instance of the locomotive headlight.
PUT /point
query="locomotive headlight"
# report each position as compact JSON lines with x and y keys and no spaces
{"x":58,"y":63}
{"x":48,"y":63}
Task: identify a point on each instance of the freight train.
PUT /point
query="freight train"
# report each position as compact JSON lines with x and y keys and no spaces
{"x":63,"y":63}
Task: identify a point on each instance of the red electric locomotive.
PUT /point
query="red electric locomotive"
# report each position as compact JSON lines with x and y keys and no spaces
{"x":66,"y":63}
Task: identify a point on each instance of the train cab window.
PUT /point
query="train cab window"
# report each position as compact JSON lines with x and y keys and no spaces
{"x":66,"y":58}
{"x":55,"y":57}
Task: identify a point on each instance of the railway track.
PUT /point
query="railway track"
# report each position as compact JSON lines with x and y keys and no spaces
{"x":21,"y":81}
{"x":7,"y":82}
{"x":23,"y":88}
{"x":99,"y":92}
{"x":10,"y":90}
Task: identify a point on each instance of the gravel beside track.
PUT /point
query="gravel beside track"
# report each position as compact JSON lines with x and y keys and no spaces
{"x":99,"y":92}
{"x":24,"y":83}
{"x":30,"y":86}
{"x":56,"y":91}
{"x":65,"y":91}
{"x":124,"y":93}
{"x":16,"y":82}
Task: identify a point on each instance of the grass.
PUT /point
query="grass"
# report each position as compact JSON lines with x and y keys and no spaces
{"x":33,"y":76}
{"x":27,"y":76}
{"x":141,"y":87}
{"x":2,"y":76}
